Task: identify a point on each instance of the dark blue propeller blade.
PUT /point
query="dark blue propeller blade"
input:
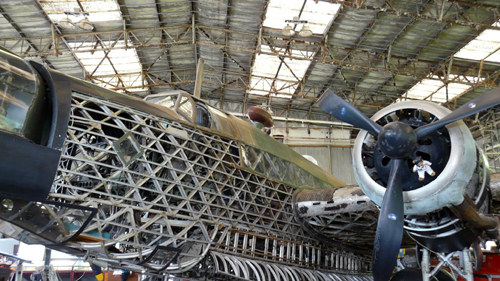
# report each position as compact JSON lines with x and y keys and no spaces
{"x":344,"y":111}
{"x":484,"y":101}
{"x":390,"y":226}
{"x":97,"y":272}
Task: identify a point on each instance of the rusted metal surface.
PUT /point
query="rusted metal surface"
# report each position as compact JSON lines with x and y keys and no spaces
{"x":468,"y":212}
{"x":495,"y":186}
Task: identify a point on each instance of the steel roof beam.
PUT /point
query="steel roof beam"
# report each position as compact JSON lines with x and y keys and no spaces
{"x":24,"y":36}
{"x":417,"y":69}
{"x":326,"y":53}
{"x":393,"y":11}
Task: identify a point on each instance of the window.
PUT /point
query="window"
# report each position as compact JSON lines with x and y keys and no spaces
{"x":21,"y":98}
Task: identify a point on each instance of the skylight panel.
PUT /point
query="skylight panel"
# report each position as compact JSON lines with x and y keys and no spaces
{"x":485,"y":46}
{"x":102,"y":10}
{"x":98,"y":10}
{"x":266,"y":79}
{"x":319,"y":16}
{"x":120,"y":69}
{"x":495,"y":57}
{"x":274,"y":77}
{"x":263,"y":78}
{"x":435,"y":90}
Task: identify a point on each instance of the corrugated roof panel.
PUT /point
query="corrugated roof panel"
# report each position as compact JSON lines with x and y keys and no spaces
{"x":98,"y":10}
{"x":246,"y":15}
{"x":319,"y":16}
{"x":212,"y":13}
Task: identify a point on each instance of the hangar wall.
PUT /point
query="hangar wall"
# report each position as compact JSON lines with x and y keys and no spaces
{"x":335,"y":160}
{"x":331,"y":147}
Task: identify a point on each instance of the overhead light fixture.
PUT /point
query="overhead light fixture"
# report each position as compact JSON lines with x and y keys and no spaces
{"x":66,"y":23}
{"x":85,"y":24}
{"x":288,"y":31}
{"x":305,"y":31}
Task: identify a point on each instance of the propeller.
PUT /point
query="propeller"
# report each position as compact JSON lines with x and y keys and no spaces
{"x":389,"y":227}
{"x":344,"y":111}
{"x":97,"y":272}
{"x":397,"y":140}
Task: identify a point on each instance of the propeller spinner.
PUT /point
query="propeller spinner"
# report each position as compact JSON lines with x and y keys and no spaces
{"x":397,"y":141}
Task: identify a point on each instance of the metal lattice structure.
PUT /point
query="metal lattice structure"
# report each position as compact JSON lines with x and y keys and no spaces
{"x":486,"y":129}
{"x":163,"y":201}
{"x":160,"y":195}
{"x":237,"y":267}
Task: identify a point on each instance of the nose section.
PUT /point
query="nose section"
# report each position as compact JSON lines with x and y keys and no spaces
{"x":27,"y":170}
{"x":27,"y":164}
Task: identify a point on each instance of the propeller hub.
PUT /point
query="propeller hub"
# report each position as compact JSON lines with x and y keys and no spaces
{"x":397,"y":139}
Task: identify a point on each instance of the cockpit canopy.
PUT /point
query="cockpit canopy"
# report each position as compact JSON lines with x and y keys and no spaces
{"x":194,"y":111}
{"x":22,"y":98}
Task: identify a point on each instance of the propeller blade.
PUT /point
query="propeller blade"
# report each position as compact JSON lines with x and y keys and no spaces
{"x":344,"y":111}
{"x":484,"y":101}
{"x":97,"y":272}
{"x":390,"y":226}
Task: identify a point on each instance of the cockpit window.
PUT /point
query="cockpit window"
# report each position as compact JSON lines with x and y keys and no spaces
{"x":166,"y":101}
{"x":17,"y":89}
{"x":20,"y":97}
{"x":197,"y":112}
{"x":203,"y":117}
{"x":186,"y":108}
{"x":222,"y":122}
{"x":178,"y":102}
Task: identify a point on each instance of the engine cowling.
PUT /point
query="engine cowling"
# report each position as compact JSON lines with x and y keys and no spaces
{"x":436,"y":208}
{"x":447,"y":187}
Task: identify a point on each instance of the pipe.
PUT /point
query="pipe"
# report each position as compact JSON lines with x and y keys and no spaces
{"x":468,"y":212}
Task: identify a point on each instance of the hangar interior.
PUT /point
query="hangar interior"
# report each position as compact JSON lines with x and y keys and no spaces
{"x":372,"y":53}
{"x":280,"y":55}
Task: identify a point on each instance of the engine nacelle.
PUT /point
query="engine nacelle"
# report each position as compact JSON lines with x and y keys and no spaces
{"x":443,"y":211}
{"x":448,"y":186}
{"x":445,"y":196}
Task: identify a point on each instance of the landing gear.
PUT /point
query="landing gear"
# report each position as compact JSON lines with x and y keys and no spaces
{"x":464,"y":267}
{"x":450,"y":266}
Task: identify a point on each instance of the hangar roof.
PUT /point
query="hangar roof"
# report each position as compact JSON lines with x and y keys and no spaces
{"x":370,"y":52}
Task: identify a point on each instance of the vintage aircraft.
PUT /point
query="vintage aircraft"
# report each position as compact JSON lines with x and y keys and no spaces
{"x":171,"y":185}
{"x":168,"y":185}
{"x":443,"y":208}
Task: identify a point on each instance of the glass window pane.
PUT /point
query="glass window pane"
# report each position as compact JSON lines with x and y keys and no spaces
{"x":17,"y":90}
{"x":186,"y":107}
